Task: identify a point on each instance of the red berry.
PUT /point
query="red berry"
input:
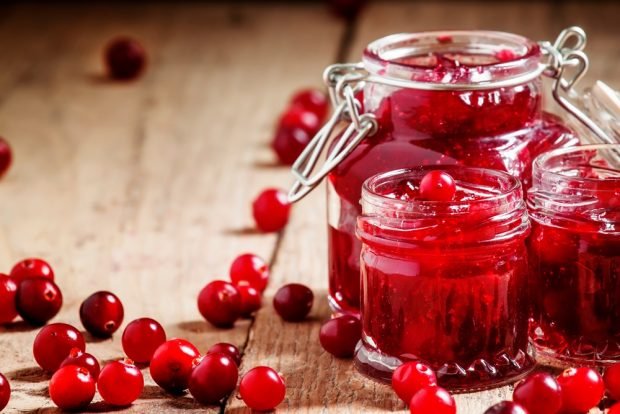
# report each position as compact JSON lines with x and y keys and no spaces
{"x":120,"y":383}
{"x":506,"y":407}
{"x":125,"y":58}
{"x":612,"y":381}
{"x":226,"y":349}
{"x":298,"y":117}
{"x":271,"y":210}
{"x":81,"y":359}
{"x":141,"y":338}
{"x":5,"y":392}
{"x":411,"y":377}
{"x":582,"y":389}
{"x":539,"y":394}
{"x":38,"y":300}
{"x":293,"y":302}
{"x":614,"y":409}
{"x":6,"y":156}
{"x":262,"y":389}
{"x":312,"y":100}
{"x":251,"y":300}
{"x":432,"y":400}
{"x":250,"y":269}
{"x":347,"y":9}
{"x":220,"y":303}
{"x":172,"y":364}
{"x":102,"y":314}
{"x":505,"y":55}
{"x":72,"y":388}
{"x":438,"y":186}
{"x":340,"y":335}
{"x":213,"y":379}
{"x":289,"y":143}
{"x":8,"y":291}
{"x":33,"y":267}
{"x":54,"y":343}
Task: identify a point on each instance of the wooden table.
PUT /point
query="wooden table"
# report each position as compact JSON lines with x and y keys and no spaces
{"x":144,"y":188}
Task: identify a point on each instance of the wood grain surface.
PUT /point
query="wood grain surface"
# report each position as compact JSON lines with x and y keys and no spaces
{"x":143,"y":188}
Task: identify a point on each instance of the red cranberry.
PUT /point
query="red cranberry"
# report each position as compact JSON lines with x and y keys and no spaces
{"x":293,"y":302}
{"x":582,"y":389}
{"x":539,"y":394}
{"x":125,"y":58}
{"x":213,"y":379}
{"x":432,"y":400}
{"x":614,"y":409}
{"x":6,"y":156}
{"x":72,"y":388}
{"x":289,"y":143}
{"x":141,"y":338}
{"x":54,"y":343}
{"x":38,"y":300}
{"x":102,"y":314}
{"x":438,"y":186}
{"x":262,"y":389}
{"x":226,"y":349}
{"x":8,"y":290}
{"x":251,"y":300}
{"x":271,"y":210}
{"x":28,"y":268}
{"x":120,"y":383}
{"x":312,"y":100}
{"x":340,"y":335}
{"x":172,"y":364}
{"x":506,"y":407}
{"x":82,"y":359}
{"x":411,"y":377}
{"x":298,"y":117}
{"x":5,"y":392}
{"x":220,"y":303}
{"x":250,"y":269}
{"x":612,"y":381}
{"x":505,"y":55}
{"x":347,"y":9}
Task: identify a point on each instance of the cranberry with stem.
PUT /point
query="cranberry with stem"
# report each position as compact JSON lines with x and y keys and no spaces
{"x":125,"y":58}
{"x":54,"y":343}
{"x":172,"y":364}
{"x":82,"y":359}
{"x":437,"y":186}
{"x":250,"y":269}
{"x":227,"y":349}
{"x":120,"y":383}
{"x":219,"y":302}
{"x":432,"y":400}
{"x":141,"y":338}
{"x":6,"y":156}
{"x":102,"y":314}
{"x":506,"y":407}
{"x":293,"y":302}
{"x":32,"y":267}
{"x":582,"y":389}
{"x":5,"y":392}
{"x":251,"y":300}
{"x":262,"y":389}
{"x":213,"y":379}
{"x":539,"y":394}
{"x":271,"y":210}
{"x":38,"y":300}
{"x":411,"y":377}
{"x":312,"y":100}
{"x":8,"y":291}
{"x":340,"y":335}
{"x":611,"y":378}
{"x":72,"y":388}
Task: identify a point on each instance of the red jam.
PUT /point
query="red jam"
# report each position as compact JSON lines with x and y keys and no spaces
{"x":444,"y":282}
{"x":501,"y":128}
{"x":575,"y":255}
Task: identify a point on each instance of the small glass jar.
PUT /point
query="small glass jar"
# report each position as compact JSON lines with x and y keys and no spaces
{"x":445,"y":283}
{"x":574,"y":254}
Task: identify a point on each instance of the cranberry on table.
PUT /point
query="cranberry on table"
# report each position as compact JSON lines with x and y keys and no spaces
{"x":141,"y":338}
{"x":611,"y":378}
{"x":226,"y":349}
{"x":298,"y":117}
{"x":432,"y":400}
{"x":262,"y":389}
{"x":120,"y":383}
{"x":346,"y":9}
{"x":53,"y":344}
{"x":38,"y":300}
{"x":271,"y":210}
{"x":72,"y":388}
{"x":438,"y":186}
{"x":539,"y":394}
{"x":340,"y":335}
{"x":220,"y":303}
{"x":411,"y":377}
{"x":8,"y":291}
{"x":251,"y":300}
{"x":125,"y":58}
{"x":250,"y":269}
{"x":614,"y":409}
{"x":6,"y":156}
{"x":82,"y":359}
{"x":289,"y":142}
{"x":102,"y":314}
{"x":5,"y":392}
{"x":506,"y":407}
{"x":213,"y":379}
{"x":582,"y":389}
{"x":32,"y":267}
{"x":312,"y":100}
{"x":172,"y":364}
{"x":293,"y":302}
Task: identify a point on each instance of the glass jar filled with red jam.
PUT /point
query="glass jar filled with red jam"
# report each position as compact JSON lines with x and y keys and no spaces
{"x":574,"y":255}
{"x":469,"y":98}
{"x":445,"y":282}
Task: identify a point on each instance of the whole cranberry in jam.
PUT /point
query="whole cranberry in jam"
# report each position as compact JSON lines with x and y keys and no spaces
{"x":271,"y":210}
{"x":102,"y":314}
{"x":582,"y":389}
{"x":8,"y":291}
{"x":289,"y":142}
{"x":506,"y":407}
{"x":437,"y":186}
{"x":250,"y":269}
{"x":226,"y":349}
{"x":120,"y":383}
{"x":611,"y":379}
{"x":82,"y":359}
{"x":72,"y":388}
{"x":5,"y":392}
{"x":432,"y":400}
{"x":262,"y":389}
{"x":172,"y":364}
{"x":53,"y":344}
{"x":141,"y":338}
{"x":312,"y":100}
{"x":33,"y":267}
{"x":251,"y":300}
{"x":220,"y":303}
{"x":6,"y":156}
{"x":213,"y":379}
{"x":293,"y":302}
{"x":539,"y":394}
{"x":38,"y":300}
{"x":125,"y":58}
{"x":411,"y":377}
{"x":340,"y":335}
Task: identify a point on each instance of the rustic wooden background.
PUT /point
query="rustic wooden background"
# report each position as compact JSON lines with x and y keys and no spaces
{"x":144,"y":188}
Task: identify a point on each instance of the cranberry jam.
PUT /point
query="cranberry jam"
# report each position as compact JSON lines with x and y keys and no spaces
{"x":574,"y":253}
{"x":473,"y":99}
{"x":445,"y":282}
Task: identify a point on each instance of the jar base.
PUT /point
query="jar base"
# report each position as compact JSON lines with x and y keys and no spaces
{"x":551,"y":357}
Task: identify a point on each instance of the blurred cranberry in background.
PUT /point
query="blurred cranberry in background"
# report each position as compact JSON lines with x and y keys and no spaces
{"x":346,"y":9}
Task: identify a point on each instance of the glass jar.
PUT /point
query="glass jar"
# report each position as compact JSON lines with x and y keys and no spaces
{"x":575,"y":255}
{"x":472,"y":98}
{"x":445,"y":282}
